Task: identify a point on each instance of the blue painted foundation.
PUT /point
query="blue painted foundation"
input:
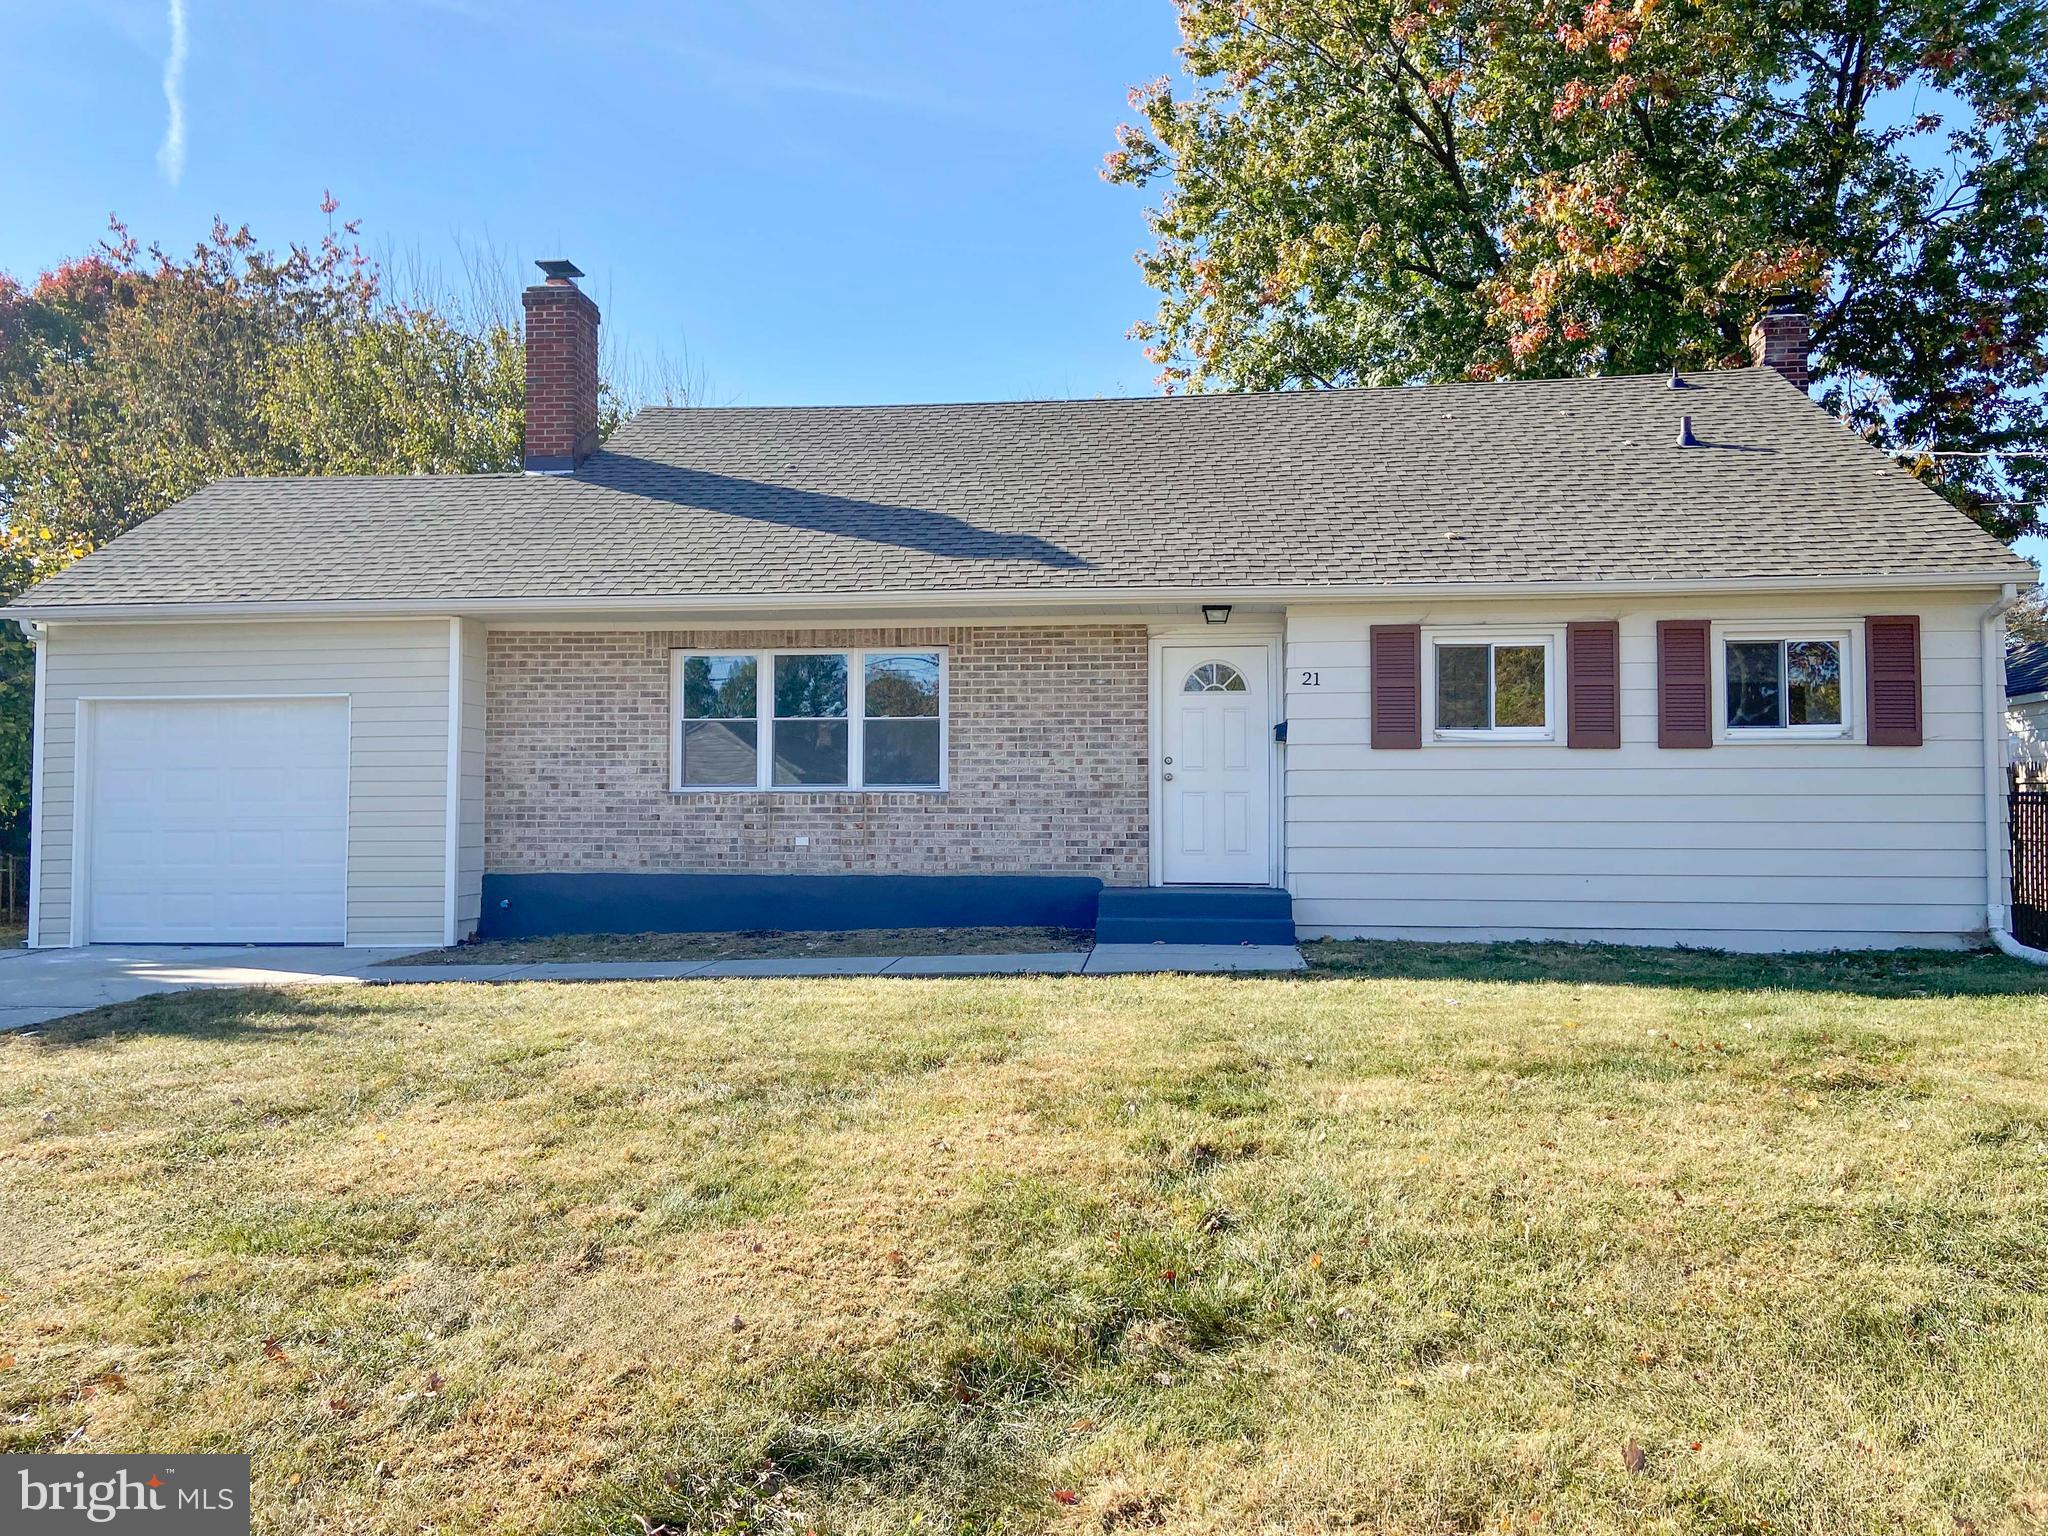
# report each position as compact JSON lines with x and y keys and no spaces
{"x":534,"y":906}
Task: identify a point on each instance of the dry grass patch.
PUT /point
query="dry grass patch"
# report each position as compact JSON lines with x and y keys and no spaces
{"x":862,"y":942}
{"x":1414,"y":1248}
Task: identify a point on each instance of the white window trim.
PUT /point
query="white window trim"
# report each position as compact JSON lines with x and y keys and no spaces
{"x":1552,"y":641}
{"x":1848,"y":634}
{"x":764,"y":720}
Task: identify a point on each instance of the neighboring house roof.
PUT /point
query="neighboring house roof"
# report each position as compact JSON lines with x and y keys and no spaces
{"x":1563,"y":481}
{"x":2026,"y":669}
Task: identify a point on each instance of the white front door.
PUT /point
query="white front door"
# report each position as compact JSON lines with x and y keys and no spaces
{"x":1214,"y":765}
{"x":217,"y":821}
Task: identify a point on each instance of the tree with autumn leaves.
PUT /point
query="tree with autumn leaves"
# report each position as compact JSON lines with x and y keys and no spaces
{"x":1389,"y":191}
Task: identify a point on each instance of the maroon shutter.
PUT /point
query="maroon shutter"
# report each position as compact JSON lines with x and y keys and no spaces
{"x":1396,"y":686}
{"x":1685,"y":683}
{"x":1592,"y":684}
{"x":1891,"y":654}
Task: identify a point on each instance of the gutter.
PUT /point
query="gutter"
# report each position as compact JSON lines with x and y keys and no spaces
{"x":980,"y":599}
{"x":1997,"y":834}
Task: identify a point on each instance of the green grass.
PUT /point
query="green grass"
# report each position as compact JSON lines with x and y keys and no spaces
{"x":12,"y":935}
{"x":757,"y":946}
{"x":1425,"y":1241}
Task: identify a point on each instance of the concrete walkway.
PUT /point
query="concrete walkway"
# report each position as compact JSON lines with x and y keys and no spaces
{"x":37,"y":986}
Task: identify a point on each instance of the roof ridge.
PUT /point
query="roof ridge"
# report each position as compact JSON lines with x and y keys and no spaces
{"x":409,"y":479}
{"x":1692,"y":376}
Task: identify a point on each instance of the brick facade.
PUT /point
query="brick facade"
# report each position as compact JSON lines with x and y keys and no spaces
{"x":1048,"y":762}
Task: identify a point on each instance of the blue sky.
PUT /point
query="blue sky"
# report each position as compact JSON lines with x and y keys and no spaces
{"x":817,"y":200}
{"x":805,"y":201}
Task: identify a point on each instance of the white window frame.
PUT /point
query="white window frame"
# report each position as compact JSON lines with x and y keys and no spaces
{"x":764,"y":719}
{"x":1552,"y":641}
{"x":1842,"y":632}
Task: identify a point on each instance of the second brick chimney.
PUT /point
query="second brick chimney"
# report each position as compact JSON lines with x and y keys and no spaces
{"x":561,"y":371}
{"x":1782,"y":338}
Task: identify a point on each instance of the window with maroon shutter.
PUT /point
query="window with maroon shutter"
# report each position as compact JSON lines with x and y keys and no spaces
{"x":1786,"y":682}
{"x":1592,"y":684}
{"x":1685,"y":683}
{"x":1396,"y":686}
{"x":1891,"y":657}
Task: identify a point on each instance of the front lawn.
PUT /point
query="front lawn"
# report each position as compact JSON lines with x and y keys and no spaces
{"x":1505,"y":1240}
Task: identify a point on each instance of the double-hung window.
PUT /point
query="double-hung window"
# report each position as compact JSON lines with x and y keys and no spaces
{"x":1785,"y":684}
{"x":810,"y":719}
{"x":1492,"y":687}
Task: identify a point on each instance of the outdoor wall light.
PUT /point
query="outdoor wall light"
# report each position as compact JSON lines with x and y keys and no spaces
{"x":1216,"y":613}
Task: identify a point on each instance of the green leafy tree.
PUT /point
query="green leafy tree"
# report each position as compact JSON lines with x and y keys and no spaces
{"x":128,"y":379}
{"x":1391,"y":191}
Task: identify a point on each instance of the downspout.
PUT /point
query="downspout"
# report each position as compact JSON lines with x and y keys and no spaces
{"x":1997,"y":836}
{"x":38,"y":635}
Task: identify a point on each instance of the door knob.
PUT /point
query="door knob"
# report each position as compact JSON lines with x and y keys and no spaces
{"x":1168,"y":777}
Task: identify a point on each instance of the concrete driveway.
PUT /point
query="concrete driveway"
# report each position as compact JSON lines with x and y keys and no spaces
{"x":38,"y":985}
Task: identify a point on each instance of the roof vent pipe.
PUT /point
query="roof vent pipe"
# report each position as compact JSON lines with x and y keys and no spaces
{"x":1685,"y":437}
{"x":1676,"y":381}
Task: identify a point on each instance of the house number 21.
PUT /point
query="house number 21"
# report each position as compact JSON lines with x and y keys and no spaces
{"x":1311,"y":679}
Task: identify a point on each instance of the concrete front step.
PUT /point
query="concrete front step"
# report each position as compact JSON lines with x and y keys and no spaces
{"x":1195,"y":915}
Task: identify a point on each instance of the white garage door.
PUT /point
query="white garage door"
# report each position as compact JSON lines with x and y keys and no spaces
{"x":217,"y":821}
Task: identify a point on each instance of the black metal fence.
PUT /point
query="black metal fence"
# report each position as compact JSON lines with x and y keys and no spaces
{"x":2030,"y":865}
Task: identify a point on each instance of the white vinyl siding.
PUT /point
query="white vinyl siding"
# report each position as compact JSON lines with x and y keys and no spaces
{"x":2027,"y":719}
{"x":395,"y":676}
{"x":1778,"y":845}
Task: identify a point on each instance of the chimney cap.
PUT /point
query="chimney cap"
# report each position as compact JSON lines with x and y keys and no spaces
{"x":1785,"y":303}
{"x":560,"y":271}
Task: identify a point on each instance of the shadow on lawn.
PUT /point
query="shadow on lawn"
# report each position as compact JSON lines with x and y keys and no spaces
{"x":227,"y":1013}
{"x":1868,"y":973}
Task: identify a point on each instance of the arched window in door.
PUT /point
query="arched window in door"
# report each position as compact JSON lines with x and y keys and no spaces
{"x":1214,"y":677}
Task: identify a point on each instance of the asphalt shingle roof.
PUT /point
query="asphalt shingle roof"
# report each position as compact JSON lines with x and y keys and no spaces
{"x":1555,"y":481}
{"x":2026,"y":669}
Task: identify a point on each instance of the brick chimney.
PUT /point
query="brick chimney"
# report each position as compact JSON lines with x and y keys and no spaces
{"x":1782,"y":338}
{"x":561,"y":371}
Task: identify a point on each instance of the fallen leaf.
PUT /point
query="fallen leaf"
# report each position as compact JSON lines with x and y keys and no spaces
{"x":1065,"y":1496}
{"x":1632,"y":1457}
